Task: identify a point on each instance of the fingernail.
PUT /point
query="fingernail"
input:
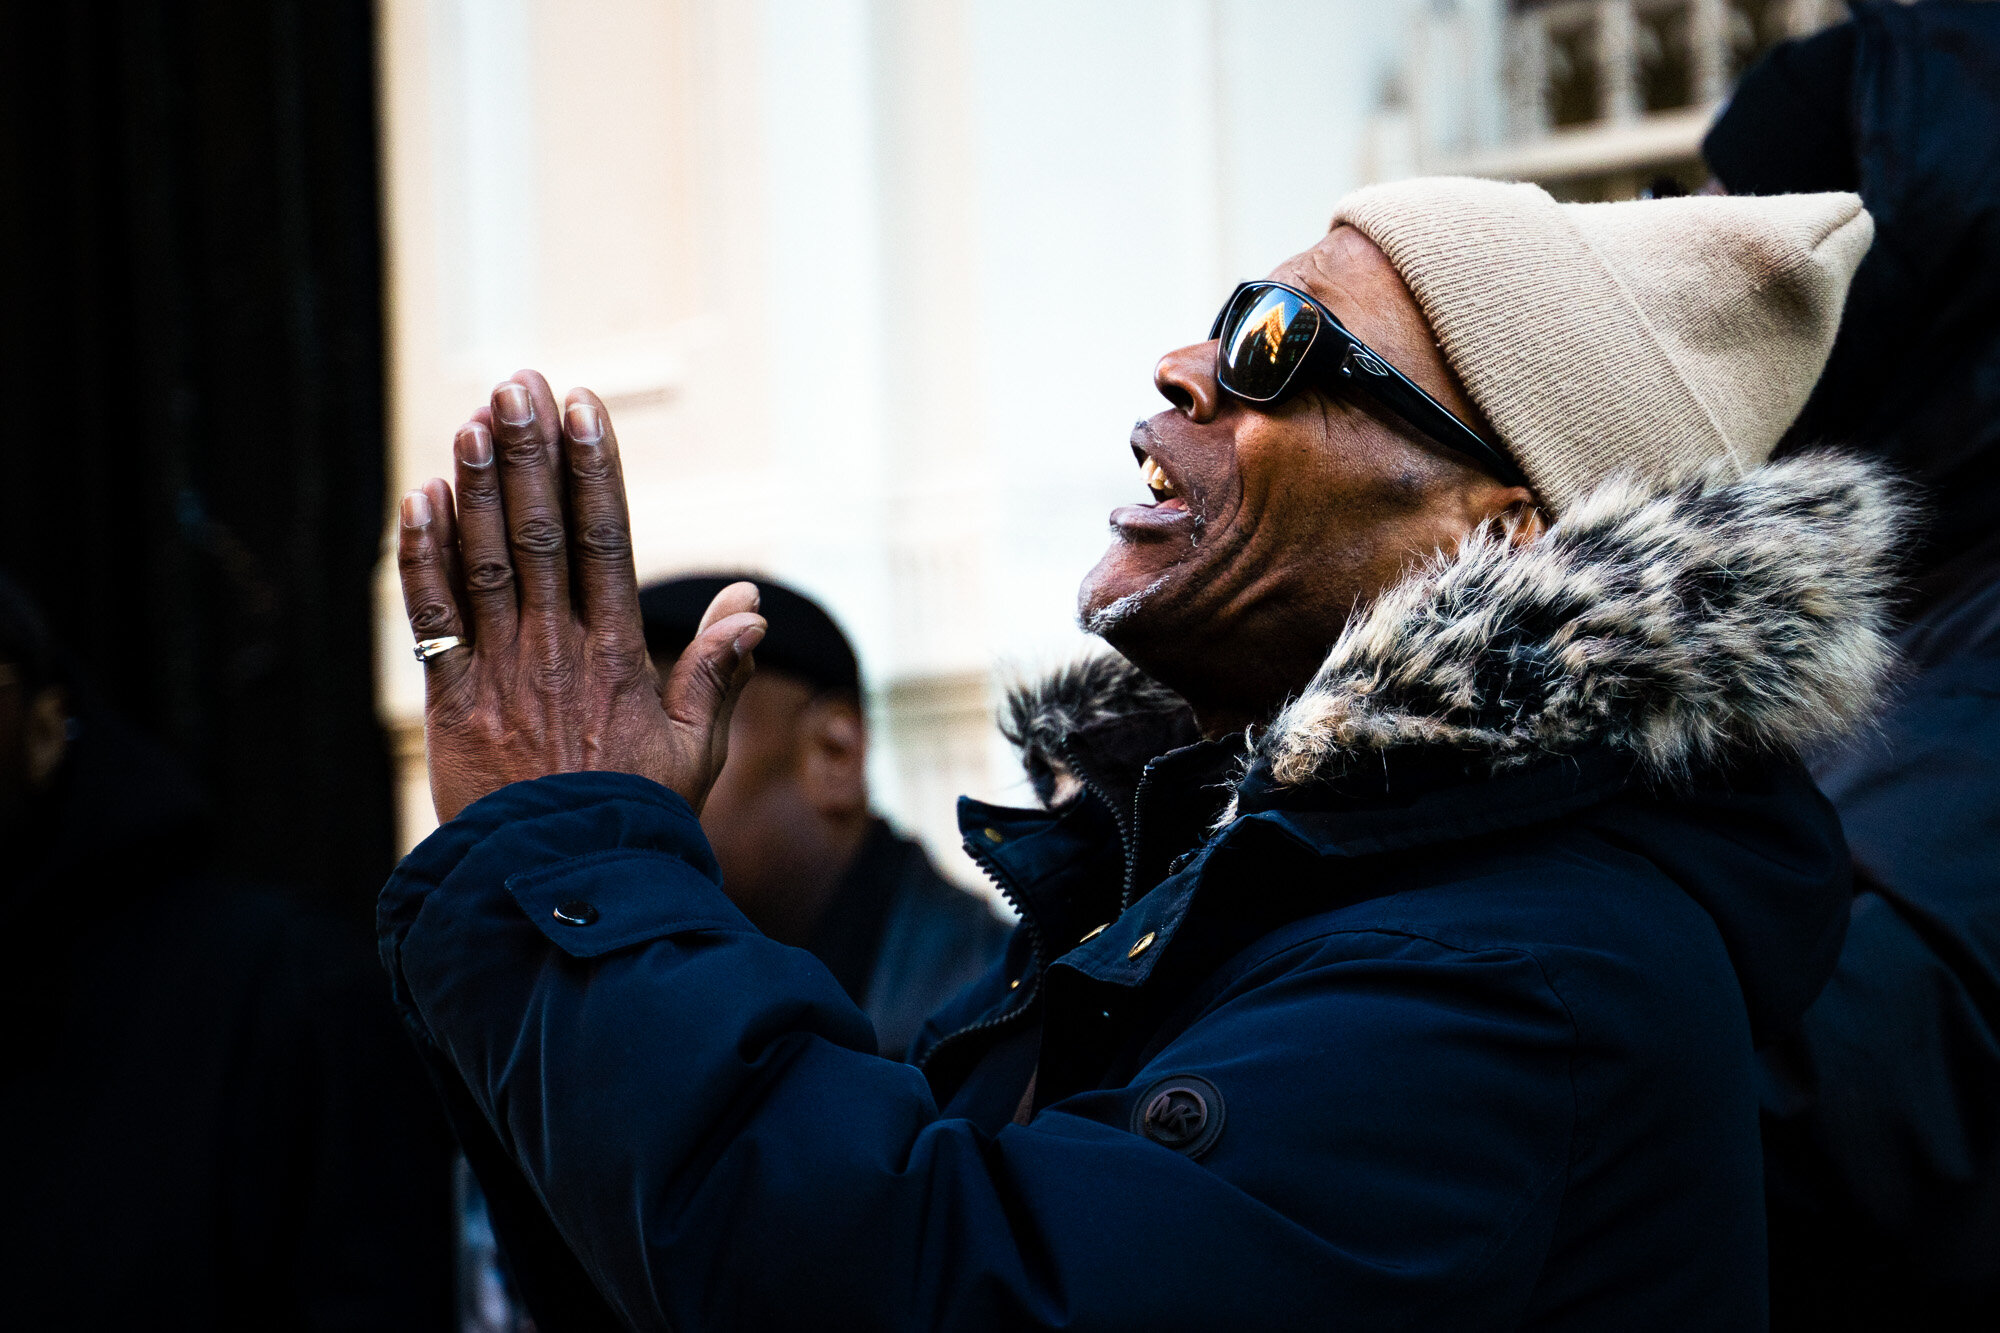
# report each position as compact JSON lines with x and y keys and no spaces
{"x":586,"y":423}
{"x":416,"y":510}
{"x":513,"y":404}
{"x":475,"y":446}
{"x":748,"y":640}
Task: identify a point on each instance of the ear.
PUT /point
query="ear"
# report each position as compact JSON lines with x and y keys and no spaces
{"x":45,"y":734}
{"x":1522,"y":518}
{"x":833,"y":769}
{"x":1511,"y":512}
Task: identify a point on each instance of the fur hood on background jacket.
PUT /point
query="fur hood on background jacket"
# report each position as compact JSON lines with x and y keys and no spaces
{"x":1682,"y":626}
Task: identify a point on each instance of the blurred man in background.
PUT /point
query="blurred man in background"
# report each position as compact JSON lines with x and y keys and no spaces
{"x":802,"y":853}
{"x":213,"y":1120}
{"x":1882,"y":1113}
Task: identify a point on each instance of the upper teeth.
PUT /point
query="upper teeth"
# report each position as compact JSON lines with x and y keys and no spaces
{"x":1156,"y":478}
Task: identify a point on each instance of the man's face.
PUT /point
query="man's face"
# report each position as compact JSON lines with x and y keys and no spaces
{"x":1278,"y":523}
{"x":785,"y":815}
{"x":757,"y":814}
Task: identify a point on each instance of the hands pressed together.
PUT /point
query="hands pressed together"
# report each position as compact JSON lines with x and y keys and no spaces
{"x":530,"y":563}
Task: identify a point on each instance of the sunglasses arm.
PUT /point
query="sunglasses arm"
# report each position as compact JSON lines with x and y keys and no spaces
{"x":1397,"y":392}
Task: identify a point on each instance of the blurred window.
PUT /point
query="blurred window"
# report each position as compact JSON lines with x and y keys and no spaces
{"x":1574,"y":94}
{"x":1662,"y":40}
{"x":1755,"y":26}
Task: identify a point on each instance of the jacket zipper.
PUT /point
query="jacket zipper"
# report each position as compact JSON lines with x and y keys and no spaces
{"x":1132,"y":846}
{"x":993,"y":872}
{"x":1025,"y":998}
{"x":1133,"y":816}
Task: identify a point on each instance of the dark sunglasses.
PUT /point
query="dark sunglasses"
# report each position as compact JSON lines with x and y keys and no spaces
{"x":1274,"y":340}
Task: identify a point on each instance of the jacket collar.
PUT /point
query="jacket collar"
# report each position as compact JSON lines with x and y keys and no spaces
{"x":849,"y":935}
{"x":1684,"y":627}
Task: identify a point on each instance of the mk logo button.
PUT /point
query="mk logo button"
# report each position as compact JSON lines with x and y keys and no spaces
{"x":1183,"y":1112}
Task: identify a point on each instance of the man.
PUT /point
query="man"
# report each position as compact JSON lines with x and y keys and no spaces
{"x":216,"y":1124}
{"x":801,"y":853}
{"x":1420,"y":991}
{"x":1882,"y":1111}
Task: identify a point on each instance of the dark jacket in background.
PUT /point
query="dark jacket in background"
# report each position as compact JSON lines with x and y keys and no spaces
{"x":901,"y":939}
{"x":1883,"y":1111}
{"x":1900,"y":105}
{"x":1440,"y":1016}
{"x":212,"y":1119}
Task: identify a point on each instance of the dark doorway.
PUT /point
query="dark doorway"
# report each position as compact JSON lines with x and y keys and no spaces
{"x":192,"y":482}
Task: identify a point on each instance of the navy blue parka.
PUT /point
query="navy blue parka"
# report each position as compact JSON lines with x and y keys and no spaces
{"x":1433,"y":1009}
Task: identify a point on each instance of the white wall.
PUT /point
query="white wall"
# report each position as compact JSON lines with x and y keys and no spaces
{"x":817,"y":252}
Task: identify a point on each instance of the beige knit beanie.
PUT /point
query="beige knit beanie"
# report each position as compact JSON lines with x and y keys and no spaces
{"x":1651,"y":337}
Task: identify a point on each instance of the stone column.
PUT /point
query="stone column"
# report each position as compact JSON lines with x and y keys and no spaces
{"x":1618,"y":89}
{"x":1708,"y":40}
{"x":1527,"y":75}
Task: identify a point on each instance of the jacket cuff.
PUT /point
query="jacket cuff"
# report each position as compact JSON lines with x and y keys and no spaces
{"x":597,"y":862}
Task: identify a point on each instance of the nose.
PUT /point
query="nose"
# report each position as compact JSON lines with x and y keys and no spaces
{"x":1186,"y":378}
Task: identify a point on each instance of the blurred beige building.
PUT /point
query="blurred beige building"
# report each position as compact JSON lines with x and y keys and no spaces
{"x":874,"y":287}
{"x":1592,"y":99}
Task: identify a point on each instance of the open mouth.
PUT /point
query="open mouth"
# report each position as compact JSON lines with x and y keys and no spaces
{"x":1166,"y":496}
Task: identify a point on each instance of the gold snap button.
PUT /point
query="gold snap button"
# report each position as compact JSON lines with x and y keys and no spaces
{"x":1093,"y":934}
{"x":992,"y":834}
{"x":1015,"y":984}
{"x":1143,"y":943}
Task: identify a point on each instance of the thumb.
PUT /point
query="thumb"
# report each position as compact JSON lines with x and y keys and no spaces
{"x":701,"y":693}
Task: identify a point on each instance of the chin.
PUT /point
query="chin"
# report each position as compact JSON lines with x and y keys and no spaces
{"x":1136,"y":618}
{"x":1105,"y":619}
{"x":1115,"y":593}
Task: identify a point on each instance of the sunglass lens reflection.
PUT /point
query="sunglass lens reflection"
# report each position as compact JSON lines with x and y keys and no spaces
{"x":1266,"y":334}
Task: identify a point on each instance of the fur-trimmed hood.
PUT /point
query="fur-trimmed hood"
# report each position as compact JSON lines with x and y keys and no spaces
{"x":1040,"y":716}
{"x":1681,"y":626}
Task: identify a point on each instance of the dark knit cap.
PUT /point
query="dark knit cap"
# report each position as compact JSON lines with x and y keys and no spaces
{"x":1789,"y":127}
{"x":803,"y":640}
